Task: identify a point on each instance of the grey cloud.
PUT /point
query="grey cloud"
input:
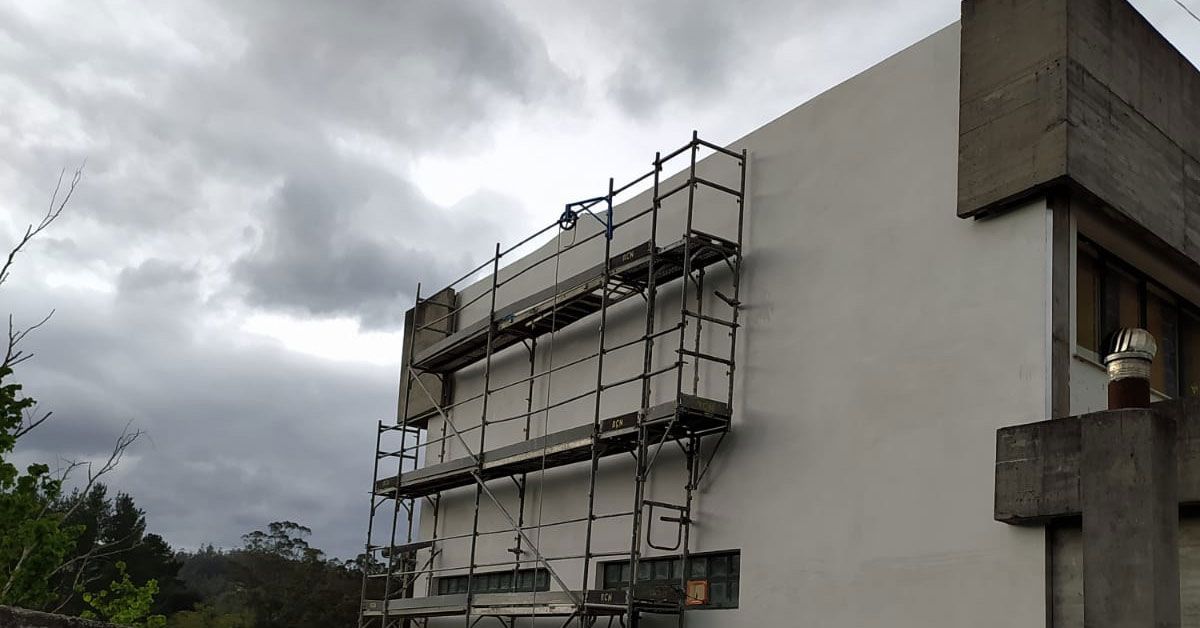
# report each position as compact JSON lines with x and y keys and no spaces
{"x":684,"y":51}
{"x":239,"y":431}
{"x":680,"y":46}
{"x":328,"y":248}
{"x":243,"y":155}
{"x":155,"y":275}
{"x":289,"y":102}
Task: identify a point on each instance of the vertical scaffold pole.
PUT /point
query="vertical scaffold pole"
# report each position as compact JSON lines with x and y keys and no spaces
{"x":595,"y":461}
{"x":737,"y":278}
{"x":686,"y":516}
{"x":699,"y":328}
{"x":437,"y":505}
{"x":523,"y":483}
{"x":483,"y":421}
{"x":687,"y":263}
{"x":646,"y":397}
{"x":369,"y":551}
{"x":436,"y":515}
{"x":683,"y":322}
{"x":387,"y":581}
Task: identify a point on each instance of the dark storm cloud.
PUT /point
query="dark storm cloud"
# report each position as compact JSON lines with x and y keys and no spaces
{"x":156,"y":276}
{"x":355,"y":243}
{"x":682,"y":48}
{"x":243,"y":155}
{"x":281,"y":105}
{"x":689,"y":51}
{"x":239,"y":431}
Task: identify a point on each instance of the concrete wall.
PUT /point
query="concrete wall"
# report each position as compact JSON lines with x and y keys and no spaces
{"x":885,"y":341}
{"x":1085,"y":92}
{"x":1088,"y":393}
{"x":1067,"y":574}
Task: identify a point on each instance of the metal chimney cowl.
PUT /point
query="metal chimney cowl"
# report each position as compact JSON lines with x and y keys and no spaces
{"x":1131,"y":352}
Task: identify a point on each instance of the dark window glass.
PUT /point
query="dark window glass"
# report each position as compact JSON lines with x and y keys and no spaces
{"x":1162,"y":321}
{"x":1189,"y":355}
{"x":1087,"y":300}
{"x":1122,"y":301}
{"x":1110,"y":295}
{"x":662,"y":570}
{"x":719,"y":571}
{"x":496,"y":582}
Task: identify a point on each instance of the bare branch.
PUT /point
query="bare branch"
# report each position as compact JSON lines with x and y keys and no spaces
{"x":122,"y":443}
{"x":16,"y":570}
{"x":29,"y":422}
{"x":83,"y":560}
{"x":54,"y":210}
{"x":12,"y":353}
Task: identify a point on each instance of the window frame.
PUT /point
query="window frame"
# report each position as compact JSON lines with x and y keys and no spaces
{"x":1107,"y":264}
{"x":541,"y":582}
{"x":732,"y":575}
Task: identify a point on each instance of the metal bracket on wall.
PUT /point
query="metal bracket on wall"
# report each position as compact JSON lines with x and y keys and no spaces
{"x":684,"y":518}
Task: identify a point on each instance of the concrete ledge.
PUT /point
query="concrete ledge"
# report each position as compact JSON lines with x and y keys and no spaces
{"x":21,"y":618}
{"x":1038,"y":464}
{"x":1082,"y":92}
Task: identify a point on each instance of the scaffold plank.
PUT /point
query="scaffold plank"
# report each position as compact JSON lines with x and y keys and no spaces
{"x":572,"y":299}
{"x":676,"y":419}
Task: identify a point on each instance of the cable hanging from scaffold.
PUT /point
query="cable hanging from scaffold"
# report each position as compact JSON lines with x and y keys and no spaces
{"x":570,"y":216}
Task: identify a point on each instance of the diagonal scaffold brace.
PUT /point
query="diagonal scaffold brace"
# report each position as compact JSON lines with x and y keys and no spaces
{"x":495,"y":500}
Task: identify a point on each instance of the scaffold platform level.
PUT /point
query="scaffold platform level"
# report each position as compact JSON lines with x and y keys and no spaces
{"x":573,"y":299}
{"x":687,"y":417}
{"x":540,"y":604}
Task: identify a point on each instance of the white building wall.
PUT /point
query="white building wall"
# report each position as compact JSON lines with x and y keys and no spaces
{"x":884,"y":342}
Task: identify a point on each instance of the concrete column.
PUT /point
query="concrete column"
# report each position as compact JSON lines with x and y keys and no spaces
{"x":1129,"y":495}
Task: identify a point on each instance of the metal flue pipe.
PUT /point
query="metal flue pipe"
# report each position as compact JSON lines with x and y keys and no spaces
{"x":1131,"y":352}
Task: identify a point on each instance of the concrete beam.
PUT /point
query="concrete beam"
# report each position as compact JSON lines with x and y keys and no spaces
{"x":1039,"y":465}
{"x":434,"y":312}
{"x":1128,"y":486}
{"x":1084,"y":94}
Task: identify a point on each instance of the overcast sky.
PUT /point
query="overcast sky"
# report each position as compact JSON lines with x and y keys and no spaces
{"x":266,"y":182}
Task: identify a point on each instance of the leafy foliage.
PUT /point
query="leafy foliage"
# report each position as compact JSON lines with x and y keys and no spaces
{"x":275,"y":579}
{"x":206,"y":616}
{"x":33,"y":538}
{"x":114,"y":530}
{"x":125,"y":603}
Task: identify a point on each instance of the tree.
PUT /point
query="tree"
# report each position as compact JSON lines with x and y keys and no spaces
{"x":125,"y":603}
{"x":114,"y":530}
{"x":35,"y":537}
{"x":275,"y":579}
{"x":32,"y":540}
{"x":210,"y":617}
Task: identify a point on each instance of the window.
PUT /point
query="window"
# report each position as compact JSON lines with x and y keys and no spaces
{"x":712,"y":579}
{"x":1087,"y":300}
{"x":497,"y":582}
{"x":1189,"y":354}
{"x":1110,"y":295}
{"x":1162,"y":321}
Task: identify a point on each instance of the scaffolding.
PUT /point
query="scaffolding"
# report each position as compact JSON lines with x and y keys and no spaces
{"x":671,"y":406}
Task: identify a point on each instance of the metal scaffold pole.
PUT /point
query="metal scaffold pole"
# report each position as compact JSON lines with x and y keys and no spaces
{"x":646,"y":394}
{"x":594,"y":467}
{"x":368,"y":553}
{"x":397,"y":502}
{"x":483,"y":422}
{"x":523,"y":481}
{"x":685,"y":414}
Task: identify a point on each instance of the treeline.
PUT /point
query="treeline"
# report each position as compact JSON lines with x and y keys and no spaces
{"x":274,"y":579}
{"x":89,"y":554}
